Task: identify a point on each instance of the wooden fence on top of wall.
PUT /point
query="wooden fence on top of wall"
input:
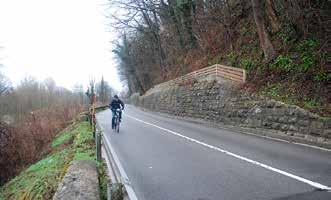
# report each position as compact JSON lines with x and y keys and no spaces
{"x":236,"y":75}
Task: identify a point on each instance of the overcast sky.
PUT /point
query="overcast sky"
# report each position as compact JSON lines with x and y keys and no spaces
{"x":68,"y":40}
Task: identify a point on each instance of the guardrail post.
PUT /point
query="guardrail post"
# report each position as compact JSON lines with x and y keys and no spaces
{"x":98,"y":144}
{"x":93,"y":129}
{"x":109,"y":186}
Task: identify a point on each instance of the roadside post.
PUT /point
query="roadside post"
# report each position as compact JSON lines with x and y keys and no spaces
{"x":98,"y":144}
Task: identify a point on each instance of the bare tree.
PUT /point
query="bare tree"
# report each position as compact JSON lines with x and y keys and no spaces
{"x":5,"y":84}
{"x":265,"y":43}
{"x":274,"y":21}
{"x":103,"y":91}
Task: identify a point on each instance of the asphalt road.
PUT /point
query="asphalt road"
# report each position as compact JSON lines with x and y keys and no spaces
{"x":171,"y":159}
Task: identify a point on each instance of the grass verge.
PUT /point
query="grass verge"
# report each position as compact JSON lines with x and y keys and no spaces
{"x":40,"y":180}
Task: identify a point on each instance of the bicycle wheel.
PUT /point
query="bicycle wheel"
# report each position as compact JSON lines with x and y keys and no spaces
{"x":117,"y":125}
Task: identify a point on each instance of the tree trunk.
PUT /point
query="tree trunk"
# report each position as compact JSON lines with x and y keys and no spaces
{"x":131,"y":69}
{"x":199,"y":7}
{"x":159,"y":45}
{"x":295,"y":16}
{"x":186,"y":8}
{"x":272,"y":16}
{"x":265,"y":43}
{"x":176,"y":20}
{"x":227,"y":23}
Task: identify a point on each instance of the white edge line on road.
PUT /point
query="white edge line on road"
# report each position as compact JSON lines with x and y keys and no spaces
{"x":132,"y":195}
{"x":298,"y":178}
{"x":282,"y":140}
{"x":311,"y":146}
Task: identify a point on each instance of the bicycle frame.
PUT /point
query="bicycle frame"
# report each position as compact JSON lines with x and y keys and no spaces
{"x":117,"y":120}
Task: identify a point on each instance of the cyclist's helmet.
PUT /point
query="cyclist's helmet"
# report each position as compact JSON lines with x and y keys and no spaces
{"x":115,"y":96}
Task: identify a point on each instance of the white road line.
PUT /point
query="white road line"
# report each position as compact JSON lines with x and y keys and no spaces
{"x":125,"y":179}
{"x":311,"y":146}
{"x":281,"y":140}
{"x":298,"y":178}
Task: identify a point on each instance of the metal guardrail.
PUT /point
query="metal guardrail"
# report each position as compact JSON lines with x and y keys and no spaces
{"x":119,"y":186}
{"x":101,"y":107}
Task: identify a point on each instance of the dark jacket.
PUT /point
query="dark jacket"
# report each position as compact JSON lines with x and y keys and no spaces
{"x":116,"y":104}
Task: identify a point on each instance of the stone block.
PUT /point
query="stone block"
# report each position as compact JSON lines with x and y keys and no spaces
{"x":303,"y":122}
{"x":327,"y":133}
{"x":292,"y":112}
{"x":293,"y":128}
{"x":283,"y":119}
{"x":80,"y":182}
{"x":266,"y":124}
{"x":327,"y":123}
{"x":275,"y":126}
{"x":315,"y":131}
{"x":278,"y":111}
{"x":310,"y":138}
{"x":316,"y":125}
{"x":321,"y":139}
{"x":269,"y":118}
{"x":296,"y":134}
{"x":253,"y":122}
{"x":284,"y":127}
{"x":278,"y":105}
{"x":292,"y":120}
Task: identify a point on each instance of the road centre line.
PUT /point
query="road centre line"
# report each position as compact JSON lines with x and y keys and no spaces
{"x":298,"y":178}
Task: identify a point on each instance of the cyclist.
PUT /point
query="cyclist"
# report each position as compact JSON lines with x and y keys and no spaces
{"x":115,"y":104}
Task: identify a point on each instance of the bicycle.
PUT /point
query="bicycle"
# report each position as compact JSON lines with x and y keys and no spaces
{"x":116,"y":119}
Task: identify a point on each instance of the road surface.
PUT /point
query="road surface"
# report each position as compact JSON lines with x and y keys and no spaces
{"x":171,"y":159}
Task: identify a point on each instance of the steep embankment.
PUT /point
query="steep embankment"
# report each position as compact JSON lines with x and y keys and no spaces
{"x":225,"y":103}
{"x":40,"y":180}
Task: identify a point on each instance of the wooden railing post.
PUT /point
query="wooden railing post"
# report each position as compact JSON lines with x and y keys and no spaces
{"x":216,"y":70}
{"x":244,"y":76}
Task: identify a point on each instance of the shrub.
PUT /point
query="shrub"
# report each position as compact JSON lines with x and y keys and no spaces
{"x":307,"y":62}
{"x":248,"y":64}
{"x":322,"y":76}
{"x":311,"y":102}
{"x":307,"y":45}
{"x":273,"y":90}
{"x":215,"y":60}
{"x":30,"y":138}
{"x":283,"y":62}
{"x":306,"y":48}
{"x":287,"y":34}
{"x":232,"y":58}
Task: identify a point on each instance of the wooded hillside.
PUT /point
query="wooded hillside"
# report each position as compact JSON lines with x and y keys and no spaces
{"x":284,"y":44}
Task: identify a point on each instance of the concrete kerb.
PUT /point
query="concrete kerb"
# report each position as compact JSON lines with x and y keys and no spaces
{"x":116,"y":171}
{"x":269,"y":134}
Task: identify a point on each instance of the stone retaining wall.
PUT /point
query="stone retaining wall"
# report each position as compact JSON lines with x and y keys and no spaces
{"x":223,"y":102}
